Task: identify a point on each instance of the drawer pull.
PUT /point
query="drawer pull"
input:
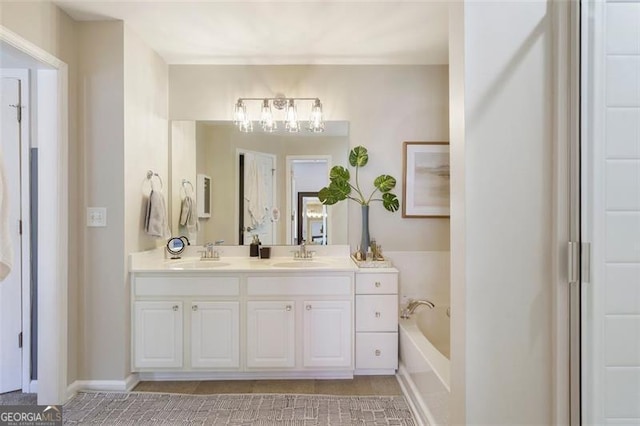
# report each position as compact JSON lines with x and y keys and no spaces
{"x":194,"y":308}
{"x":288,"y":308}
{"x":175,"y":307}
{"x":378,"y":315}
{"x":308,"y":307}
{"x":378,"y":352}
{"x":377,"y":283}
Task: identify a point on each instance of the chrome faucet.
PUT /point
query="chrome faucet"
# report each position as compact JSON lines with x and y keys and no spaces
{"x":413,"y":305}
{"x":302,"y":252}
{"x":209,"y":253}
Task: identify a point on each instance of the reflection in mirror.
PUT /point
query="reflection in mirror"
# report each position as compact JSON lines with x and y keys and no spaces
{"x":255,"y":179}
{"x":312,"y":219}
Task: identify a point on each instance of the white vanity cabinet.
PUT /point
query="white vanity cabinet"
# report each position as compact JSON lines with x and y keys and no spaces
{"x":300,"y":322}
{"x":243,"y":323}
{"x":185,"y":322}
{"x":376,"y":304}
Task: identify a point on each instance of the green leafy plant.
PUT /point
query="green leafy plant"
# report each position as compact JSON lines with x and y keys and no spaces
{"x":340,"y":188}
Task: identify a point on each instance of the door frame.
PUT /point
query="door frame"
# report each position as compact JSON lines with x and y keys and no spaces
{"x":52,"y":227}
{"x":565,"y":210}
{"x":25,"y":238}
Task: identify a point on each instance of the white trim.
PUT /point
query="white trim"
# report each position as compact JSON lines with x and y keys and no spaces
{"x":375,"y":372}
{"x":420,"y":411}
{"x":247,"y":375}
{"x":565,"y":68}
{"x":125,"y":385}
{"x":53,"y":236}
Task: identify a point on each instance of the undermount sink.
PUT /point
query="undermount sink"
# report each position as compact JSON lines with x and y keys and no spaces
{"x":300,"y":264}
{"x":196,"y":264}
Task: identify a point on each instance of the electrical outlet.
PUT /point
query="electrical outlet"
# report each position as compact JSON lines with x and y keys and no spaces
{"x":96,"y":216}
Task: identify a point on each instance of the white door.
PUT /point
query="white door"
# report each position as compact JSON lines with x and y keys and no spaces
{"x":327,"y":334}
{"x":271,"y":334}
{"x":259,"y":197}
{"x":157,"y":334}
{"x":215,"y":334}
{"x":10,"y":288}
{"x":610,"y":222}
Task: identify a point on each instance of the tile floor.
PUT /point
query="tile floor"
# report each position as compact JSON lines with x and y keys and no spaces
{"x":359,"y":385}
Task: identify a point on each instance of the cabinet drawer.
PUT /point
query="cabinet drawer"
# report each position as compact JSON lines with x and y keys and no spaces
{"x":299,"y":285}
{"x":376,"y":350}
{"x":377,"y":283}
{"x":377,"y":313}
{"x":187,"y":286}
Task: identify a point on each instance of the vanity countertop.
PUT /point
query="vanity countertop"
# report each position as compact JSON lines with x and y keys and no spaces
{"x":325,"y":260}
{"x":245,"y":264}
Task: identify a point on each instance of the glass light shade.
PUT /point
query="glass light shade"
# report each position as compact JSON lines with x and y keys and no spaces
{"x":240,"y":113}
{"x":291,"y":121}
{"x":316,"y":123}
{"x":266,"y":117}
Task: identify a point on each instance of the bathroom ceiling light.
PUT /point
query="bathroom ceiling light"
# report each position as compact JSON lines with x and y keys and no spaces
{"x":268,"y":121}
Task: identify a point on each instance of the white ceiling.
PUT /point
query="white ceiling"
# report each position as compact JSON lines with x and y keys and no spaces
{"x":281,"y":32}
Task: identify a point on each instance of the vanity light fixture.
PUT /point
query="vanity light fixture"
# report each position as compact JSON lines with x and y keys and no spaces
{"x":267,"y":120}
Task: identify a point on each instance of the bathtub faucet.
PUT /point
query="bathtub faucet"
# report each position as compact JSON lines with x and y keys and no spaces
{"x":413,"y":305}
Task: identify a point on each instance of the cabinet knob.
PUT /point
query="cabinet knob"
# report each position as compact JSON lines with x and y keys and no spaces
{"x":288,"y":308}
{"x":194,"y":308}
{"x":378,"y":352}
{"x":377,"y":314}
{"x":308,"y":307}
{"x":377,"y":283}
{"x":175,"y":307}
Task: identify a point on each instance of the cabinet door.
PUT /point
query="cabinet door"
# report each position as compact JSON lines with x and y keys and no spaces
{"x":271,"y":334}
{"x":327,"y":334}
{"x":157,"y":334}
{"x":215,"y":334}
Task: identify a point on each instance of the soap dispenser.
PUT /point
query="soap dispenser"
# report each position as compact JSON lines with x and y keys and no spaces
{"x":254,"y":247}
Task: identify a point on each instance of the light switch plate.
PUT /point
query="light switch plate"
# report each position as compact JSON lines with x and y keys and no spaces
{"x":96,"y":216}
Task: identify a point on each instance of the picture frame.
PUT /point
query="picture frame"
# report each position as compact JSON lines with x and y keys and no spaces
{"x":425,"y":180}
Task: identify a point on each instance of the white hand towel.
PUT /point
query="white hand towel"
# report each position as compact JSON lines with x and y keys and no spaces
{"x":188,"y":220}
{"x":156,"y":223}
{"x":6,"y":251}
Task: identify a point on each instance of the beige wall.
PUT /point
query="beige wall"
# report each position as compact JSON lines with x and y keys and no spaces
{"x":502,"y":122}
{"x":146,"y":147}
{"x":103,"y":309}
{"x":385,"y":105}
{"x":46,"y":26}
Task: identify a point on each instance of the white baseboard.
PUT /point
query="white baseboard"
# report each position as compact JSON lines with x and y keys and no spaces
{"x":420,"y":410}
{"x":103,"y":385}
{"x":375,"y":372}
{"x":32,"y":387}
{"x":258,"y":375}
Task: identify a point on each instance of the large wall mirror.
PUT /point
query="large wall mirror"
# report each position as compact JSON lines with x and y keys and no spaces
{"x":227,"y":185}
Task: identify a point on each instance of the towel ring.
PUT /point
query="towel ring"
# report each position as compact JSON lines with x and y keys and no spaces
{"x":150,"y":175}
{"x":183,"y":188}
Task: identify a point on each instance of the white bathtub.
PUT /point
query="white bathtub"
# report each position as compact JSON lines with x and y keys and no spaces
{"x":424,"y":363}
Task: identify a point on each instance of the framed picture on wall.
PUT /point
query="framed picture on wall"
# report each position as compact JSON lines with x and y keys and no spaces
{"x":425,"y":179}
